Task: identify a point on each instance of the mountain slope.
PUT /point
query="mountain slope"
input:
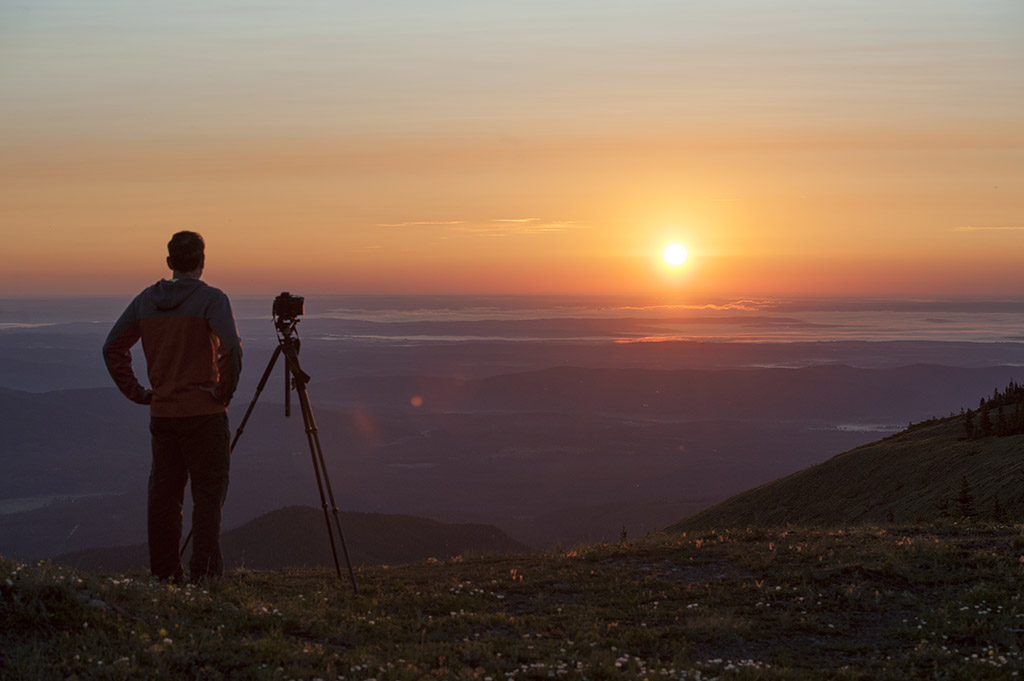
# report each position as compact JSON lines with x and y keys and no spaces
{"x":297,"y":537}
{"x":900,"y":478}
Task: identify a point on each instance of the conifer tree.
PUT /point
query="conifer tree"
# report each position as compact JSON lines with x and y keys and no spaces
{"x":965,"y":499}
{"x":998,"y":512}
{"x":969,"y":424}
{"x":984,"y":422}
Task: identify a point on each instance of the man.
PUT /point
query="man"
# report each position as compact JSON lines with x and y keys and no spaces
{"x":193,"y":360}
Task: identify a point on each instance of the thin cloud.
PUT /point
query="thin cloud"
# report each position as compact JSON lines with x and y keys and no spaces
{"x":537,"y":226}
{"x":563,"y":226}
{"x":498,"y":227}
{"x":485,"y":230}
{"x":733,"y":306}
{"x":989,"y":229}
{"x":422,"y":223}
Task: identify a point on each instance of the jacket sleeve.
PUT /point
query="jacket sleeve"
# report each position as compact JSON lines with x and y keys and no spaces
{"x":229,"y":354}
{"x":118,"y":357}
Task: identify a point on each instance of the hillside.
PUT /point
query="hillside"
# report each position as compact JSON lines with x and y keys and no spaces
{"x":902,"y":478}
{"x":880,"y":603}
{"x":297,"y":537}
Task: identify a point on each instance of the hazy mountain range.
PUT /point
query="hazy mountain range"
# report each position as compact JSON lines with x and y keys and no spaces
{"x":296,"y":536}
{"x":554,"y":442}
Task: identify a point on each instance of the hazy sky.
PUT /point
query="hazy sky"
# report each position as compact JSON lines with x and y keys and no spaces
{"x":824,"y":146}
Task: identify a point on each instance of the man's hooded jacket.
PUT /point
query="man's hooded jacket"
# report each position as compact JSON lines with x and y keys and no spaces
{"x":193,"y":352}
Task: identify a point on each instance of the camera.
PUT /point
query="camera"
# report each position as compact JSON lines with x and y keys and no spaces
{"x":287,"y":306}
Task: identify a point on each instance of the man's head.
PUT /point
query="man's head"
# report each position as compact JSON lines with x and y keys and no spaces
{"x":185,"y":252}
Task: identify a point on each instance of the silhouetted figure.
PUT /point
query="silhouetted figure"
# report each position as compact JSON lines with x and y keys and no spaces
{"x":193,"y":360}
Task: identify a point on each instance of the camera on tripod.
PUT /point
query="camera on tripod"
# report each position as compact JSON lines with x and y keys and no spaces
{"x":287,"y":306}
{"x":287,"y":309}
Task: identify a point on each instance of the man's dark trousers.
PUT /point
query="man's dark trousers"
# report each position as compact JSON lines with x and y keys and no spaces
{"x":196,"y":447}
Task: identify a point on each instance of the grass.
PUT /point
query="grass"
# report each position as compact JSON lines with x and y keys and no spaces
{"x":871,"y":602}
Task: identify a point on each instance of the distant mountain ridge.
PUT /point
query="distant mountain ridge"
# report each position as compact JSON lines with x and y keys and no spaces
{"x":914,"y":475}
{"x":763,"y":393}
{"x":296,"y":536}
{"x":524,"y":451}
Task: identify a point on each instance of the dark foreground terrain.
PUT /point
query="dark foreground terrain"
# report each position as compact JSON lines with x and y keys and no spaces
{"x":871,"y":602}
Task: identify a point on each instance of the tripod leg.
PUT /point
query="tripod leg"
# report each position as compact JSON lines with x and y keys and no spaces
{"x":317,"y":454}
{"x":259,"y":389}
{"x":323,"y":503}
{"x":287,"y":390}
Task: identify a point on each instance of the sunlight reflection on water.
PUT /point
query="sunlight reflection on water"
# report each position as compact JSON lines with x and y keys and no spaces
{"x":738,"y":321}
{"x":440,"y":319}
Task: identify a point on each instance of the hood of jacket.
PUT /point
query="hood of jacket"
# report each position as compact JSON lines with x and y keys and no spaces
{"x":169,"y":294}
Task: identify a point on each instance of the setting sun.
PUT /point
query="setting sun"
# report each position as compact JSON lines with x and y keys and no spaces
{"x":675,"y":254}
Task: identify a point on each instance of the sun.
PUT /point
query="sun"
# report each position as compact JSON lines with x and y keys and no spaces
{"x":675,"y":254}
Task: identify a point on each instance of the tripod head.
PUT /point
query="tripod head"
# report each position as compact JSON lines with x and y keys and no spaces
{"x":287,"y":309}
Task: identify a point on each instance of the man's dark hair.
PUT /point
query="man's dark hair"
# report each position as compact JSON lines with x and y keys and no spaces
{"x":185,"y":251}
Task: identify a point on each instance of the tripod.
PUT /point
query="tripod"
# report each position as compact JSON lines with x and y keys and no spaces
{"x":295,"y":378}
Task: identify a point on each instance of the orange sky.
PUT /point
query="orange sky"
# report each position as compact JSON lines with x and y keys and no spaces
{"x":551,"y":147}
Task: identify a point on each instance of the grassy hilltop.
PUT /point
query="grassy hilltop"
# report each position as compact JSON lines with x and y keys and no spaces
{"x":868,"y":603}
{"x":863,"y":572}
